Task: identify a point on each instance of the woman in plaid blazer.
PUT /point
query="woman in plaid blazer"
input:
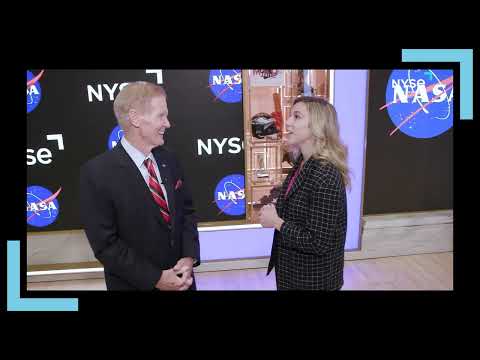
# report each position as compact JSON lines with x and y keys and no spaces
{"x":310,"y":215}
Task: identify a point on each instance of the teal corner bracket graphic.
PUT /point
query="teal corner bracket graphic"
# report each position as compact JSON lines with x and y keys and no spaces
{"x":15,"y":302}
{"x":464,"y":57}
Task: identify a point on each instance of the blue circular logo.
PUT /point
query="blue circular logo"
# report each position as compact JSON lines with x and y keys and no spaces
{"x":226,"y":85}
{"x":230,"y":195}
{"x":34,"y":92}
{"x":115,"y":137}
{"x":42,"y":206}
{"x":420,"y":102}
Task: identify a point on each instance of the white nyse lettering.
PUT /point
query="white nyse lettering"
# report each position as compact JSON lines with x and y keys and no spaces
{"x":220,"y":145}
{"x":158,"y":73}
{"x":31,"y":160}
{"x":98,"y":94}
{"x":44,"y":156}
{"x":207,"y":148}
{"x":110,"y":90}
{"x":235,"y":147}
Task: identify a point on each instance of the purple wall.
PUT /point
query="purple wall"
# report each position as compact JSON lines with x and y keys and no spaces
{"x":350,"y":99}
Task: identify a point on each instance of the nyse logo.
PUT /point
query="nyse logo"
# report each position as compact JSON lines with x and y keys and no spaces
{"x":101,"y":92}
{"x":44,"y":155}
{"x":210,"y":146}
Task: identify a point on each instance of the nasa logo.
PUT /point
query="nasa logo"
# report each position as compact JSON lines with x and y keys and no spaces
{"x":115,"y":137}
{"x":420,"y":102}
{"x":226,"y":85}
{"x":230,"y":195}
{"x":34,"y":91}
{"x":42,"y":206}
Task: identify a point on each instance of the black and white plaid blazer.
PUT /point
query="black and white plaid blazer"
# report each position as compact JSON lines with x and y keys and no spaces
{"x":308,"y":251}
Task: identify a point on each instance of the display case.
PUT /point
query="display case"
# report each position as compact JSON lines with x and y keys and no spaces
{"x":268,"y":98}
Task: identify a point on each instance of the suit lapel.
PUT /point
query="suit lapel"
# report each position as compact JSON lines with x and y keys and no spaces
{"x":136,"y":182}
{"x":300,"y":179}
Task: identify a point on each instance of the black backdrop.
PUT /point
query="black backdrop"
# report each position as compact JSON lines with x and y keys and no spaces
{"x":86,"y":125}
{"x":403,"y":173}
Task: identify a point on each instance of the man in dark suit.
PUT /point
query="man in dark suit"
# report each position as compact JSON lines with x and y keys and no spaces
{"x":135,"y":204}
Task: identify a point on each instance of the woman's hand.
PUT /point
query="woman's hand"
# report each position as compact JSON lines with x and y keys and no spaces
{"x":269,"y":217}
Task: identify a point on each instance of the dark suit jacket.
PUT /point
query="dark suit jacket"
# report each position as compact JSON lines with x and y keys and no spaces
{"x":308,"y":251}
{"x":123,"y":223}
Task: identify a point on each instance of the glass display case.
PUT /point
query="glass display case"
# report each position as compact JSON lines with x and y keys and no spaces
{"x":268,"y":98}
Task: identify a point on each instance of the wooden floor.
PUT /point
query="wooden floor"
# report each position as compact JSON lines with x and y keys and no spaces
{"x":413,"y":272}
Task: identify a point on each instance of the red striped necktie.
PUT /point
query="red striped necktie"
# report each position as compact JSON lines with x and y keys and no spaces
{"x":156,"y":190}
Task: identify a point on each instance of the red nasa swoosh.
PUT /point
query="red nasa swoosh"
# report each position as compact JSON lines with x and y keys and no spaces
{"x":35,"y":79}
{"x":46,"y":201}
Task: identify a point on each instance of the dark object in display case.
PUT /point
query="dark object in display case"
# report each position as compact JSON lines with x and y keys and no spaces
{"x":266,"y":74}
{"x":263,"y":124}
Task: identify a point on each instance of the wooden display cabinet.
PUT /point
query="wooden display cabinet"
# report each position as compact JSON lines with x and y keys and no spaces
{"x":264,"y":163}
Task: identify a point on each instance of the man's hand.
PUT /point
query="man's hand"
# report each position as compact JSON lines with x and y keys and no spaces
{"x":184,"y":267}
{"x":169,"y":281}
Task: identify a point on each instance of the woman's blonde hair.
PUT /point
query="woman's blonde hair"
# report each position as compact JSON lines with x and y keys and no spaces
{"x":325,"y":129}
{"x":135,"y":95}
